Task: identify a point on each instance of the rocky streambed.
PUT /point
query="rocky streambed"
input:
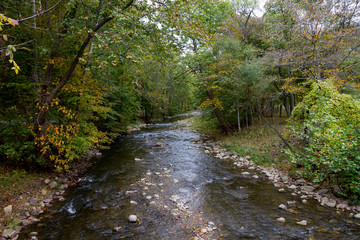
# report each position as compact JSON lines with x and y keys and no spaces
{"x":165,"y":182}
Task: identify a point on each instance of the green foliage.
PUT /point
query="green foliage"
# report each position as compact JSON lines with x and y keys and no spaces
{"x":14,"y":137}
{"x":326,"y":127}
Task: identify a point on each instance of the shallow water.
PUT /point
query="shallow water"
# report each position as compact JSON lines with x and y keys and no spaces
{"x":192,"y":194}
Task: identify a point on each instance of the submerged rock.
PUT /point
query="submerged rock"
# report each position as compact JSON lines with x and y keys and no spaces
{"x":132,"y":218}
{"x":133,"y":203}
{"x":281,"y":219}
{"x":302,"y":223}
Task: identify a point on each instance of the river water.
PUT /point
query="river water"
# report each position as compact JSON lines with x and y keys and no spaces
{"x":177,"y":191}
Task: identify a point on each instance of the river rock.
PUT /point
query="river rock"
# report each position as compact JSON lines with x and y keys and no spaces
{"x":132,"y":218}
{"x":281,"y":219}
{"x":357,"y":216}
{"x":301,"y":181}
{"x":292,"y":187}
{"x":245,"y":173}
{"x":302,"y":223}
{"x":138,"y":159}
{"x":129,"y":192}
{"x":282,"y":206}
{"x":342,"y":205}
{"x":323,"y":191}
{"x":291,"y":203}
{"x":118,"y":229}
{"x":133,"y":203}
{"x":34,"y":211}
{"x":8,"y":211}
{"x":9,"y":233}
{"x":255,"y":176}
{"x":175,"y":198}
{"x":282,"y":190}
{"x":34,"y":234}
{"x":307,"y":189}
{"x":328,"y":202}
{"x":159,"y":144}
{"x":52,"y":184}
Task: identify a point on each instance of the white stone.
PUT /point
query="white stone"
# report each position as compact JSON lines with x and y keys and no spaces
{"x":130,"y":192}
{"x":133,"y":203}
{"x":281,"y":190}
{"x":303,"y":223}
{"x":357,"y":215}
{"x":132,"y":218}
{"x":148,"y":197}
{"x":245,"y":173}
{"x":175,"y":180}
{"x":281,"y":219}
{"x":282,"y":206}
{"x":255,"y":176}
{"x":138,"y":159}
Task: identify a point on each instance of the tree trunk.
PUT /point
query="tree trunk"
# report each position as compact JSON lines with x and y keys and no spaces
{"x":238,"y":115}
{"x":224,"y":125}
{"x":292,"y":103}
{"x":287,"y":110}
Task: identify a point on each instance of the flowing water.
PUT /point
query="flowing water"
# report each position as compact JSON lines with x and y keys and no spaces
{"x":181,"y":193}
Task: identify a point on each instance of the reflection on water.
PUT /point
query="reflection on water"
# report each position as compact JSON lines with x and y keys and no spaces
{"x":176,"y":189}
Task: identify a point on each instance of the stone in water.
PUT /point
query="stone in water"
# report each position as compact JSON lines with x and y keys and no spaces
{"x":132,"y":218}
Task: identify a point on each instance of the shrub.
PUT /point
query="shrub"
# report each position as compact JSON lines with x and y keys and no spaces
{"x":326,"y":127}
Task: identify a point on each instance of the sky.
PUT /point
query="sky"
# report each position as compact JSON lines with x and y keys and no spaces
{"x":260,"y":12}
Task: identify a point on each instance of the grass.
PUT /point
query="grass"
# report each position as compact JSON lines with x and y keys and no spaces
{"x":259,"y":141}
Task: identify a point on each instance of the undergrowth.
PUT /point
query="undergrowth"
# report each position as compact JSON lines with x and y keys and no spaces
{"x":259,"y":141}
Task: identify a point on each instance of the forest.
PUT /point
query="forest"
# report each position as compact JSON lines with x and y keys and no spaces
{"x":76,"y":74}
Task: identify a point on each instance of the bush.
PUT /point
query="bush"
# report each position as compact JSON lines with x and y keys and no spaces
{"x":326,"y":127}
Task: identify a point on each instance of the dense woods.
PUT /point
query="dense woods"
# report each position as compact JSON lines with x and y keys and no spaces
{"x":75,"y":74}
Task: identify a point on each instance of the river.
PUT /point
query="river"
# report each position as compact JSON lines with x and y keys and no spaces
{"x":162,"y":175}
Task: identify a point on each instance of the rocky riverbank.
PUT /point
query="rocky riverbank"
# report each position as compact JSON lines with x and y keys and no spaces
{"x":26,"y":207}
{"x":301,"y":188}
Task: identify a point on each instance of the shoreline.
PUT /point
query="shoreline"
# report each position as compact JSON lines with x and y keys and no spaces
{"x":281,"y":180}
{"x":25,"y":208}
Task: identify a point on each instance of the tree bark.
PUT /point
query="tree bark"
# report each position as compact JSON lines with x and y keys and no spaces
{"x":224,"y":125}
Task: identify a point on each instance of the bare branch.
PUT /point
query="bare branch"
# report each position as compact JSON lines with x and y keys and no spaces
{"x":38,"y":14}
